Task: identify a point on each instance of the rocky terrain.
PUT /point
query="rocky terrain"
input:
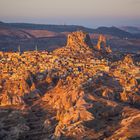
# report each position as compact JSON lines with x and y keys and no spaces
{"x":81,"y":91}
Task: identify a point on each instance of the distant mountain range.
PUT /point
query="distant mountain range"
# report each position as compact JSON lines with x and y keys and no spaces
{"x":123,"y":32}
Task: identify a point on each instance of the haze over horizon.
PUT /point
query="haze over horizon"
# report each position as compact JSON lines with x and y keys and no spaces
{"x":89,"y":13}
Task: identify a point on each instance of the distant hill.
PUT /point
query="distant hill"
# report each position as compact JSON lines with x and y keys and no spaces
{"x":114,"y":31}
{"x":131,"y":29}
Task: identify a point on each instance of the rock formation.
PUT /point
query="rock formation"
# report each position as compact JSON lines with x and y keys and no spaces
{"x":71,"y":107}
{"x":75,"y":92}
{"x":102,"y":45}
{"x":79,"y":39}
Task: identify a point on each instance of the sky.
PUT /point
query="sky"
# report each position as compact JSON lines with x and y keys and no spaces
{"x":89,"y":13}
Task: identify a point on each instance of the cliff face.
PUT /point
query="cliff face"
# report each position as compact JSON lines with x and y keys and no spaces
{"x":79,"y":39}
{"x":75,"y":92}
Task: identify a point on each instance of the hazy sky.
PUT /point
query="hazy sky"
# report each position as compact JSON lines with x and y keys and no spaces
{"x":91,"y":13}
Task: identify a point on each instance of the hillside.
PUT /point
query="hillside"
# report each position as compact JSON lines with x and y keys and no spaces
{"x":131,"y":29}
{"x":80,"y":91}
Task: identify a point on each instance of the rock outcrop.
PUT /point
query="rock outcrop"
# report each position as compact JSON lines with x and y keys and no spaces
{"x":79,"y":39}
{"x":71,"y":107}
{"x":102,"y":45}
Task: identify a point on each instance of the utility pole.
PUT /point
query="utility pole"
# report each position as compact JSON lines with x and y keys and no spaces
{"x":36,"y":48}
{"x":19,"y":49}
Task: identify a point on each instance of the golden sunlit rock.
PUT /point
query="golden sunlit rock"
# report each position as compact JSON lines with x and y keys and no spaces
{"x":102,"y":46}
{"x":75,"y":92}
